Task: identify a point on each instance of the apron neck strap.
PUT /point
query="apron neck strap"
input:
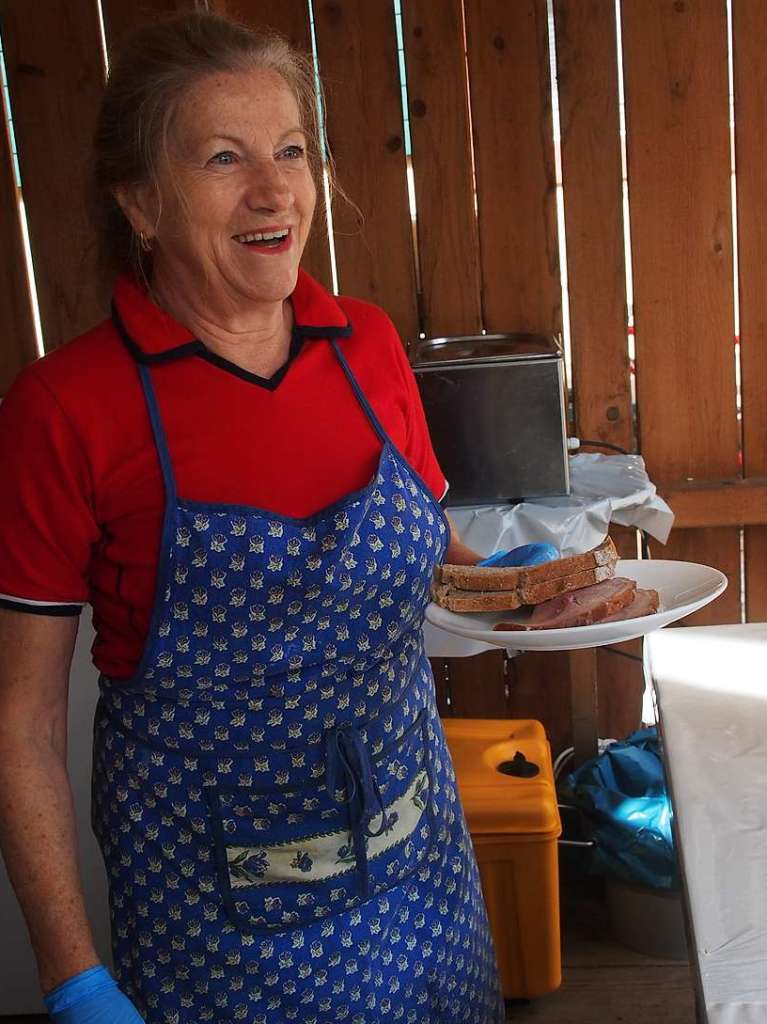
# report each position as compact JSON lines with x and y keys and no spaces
{"x":160,"y":439}
{"x":366,"y":406}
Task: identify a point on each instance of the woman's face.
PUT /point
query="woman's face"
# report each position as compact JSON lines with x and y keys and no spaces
{"x":237,"y":170}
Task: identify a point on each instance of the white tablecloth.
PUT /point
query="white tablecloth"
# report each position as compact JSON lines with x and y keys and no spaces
{"x":711,"y":689}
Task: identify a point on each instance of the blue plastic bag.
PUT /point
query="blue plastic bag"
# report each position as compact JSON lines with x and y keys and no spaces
{"x":623,"y":794}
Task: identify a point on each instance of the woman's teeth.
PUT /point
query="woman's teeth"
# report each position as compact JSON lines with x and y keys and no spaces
{"x":264,"y":237}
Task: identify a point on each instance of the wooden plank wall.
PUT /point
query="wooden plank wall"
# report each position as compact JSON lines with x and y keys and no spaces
{"x":679,"y":178}
{"x":749,"y":28}
{"x":486,"y":250}
{"x":56,"y":74}
{"x":356,"y":41}
{"x":15,"y":308}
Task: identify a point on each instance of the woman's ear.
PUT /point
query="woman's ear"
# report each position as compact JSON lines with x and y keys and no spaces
{"x":138,"y":204}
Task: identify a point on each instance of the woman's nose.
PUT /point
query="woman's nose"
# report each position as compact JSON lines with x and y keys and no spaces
{"x":268,"y":188}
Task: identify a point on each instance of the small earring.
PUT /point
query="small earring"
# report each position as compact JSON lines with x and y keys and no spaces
{"x":144,"y":242}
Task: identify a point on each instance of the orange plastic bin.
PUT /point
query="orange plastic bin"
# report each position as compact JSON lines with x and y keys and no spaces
{"x":514,"y":825}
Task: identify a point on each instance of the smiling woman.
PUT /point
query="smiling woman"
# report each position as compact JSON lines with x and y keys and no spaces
{"x":234,"y":469}
{"x":213,"y":211}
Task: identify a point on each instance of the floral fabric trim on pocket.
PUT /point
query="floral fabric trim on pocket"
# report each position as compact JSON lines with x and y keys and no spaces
{"x":320,"y":857}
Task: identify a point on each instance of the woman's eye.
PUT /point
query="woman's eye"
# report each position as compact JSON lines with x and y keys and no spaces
{"x":293,"y":152}
{"x":223,"y":159}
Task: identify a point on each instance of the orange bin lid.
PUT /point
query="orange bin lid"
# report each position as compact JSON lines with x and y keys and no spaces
{"x":495,"y":803}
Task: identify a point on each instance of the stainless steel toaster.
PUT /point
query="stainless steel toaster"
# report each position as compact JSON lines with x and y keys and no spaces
{"x":495,"y":405}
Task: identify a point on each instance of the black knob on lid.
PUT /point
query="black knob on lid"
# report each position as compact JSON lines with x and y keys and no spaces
{"x":519,"y":766}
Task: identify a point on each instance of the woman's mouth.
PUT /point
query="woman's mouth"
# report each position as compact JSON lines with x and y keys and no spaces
{"x":272,"y":240}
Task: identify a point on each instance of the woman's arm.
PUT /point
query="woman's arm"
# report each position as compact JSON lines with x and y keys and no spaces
{"x":37,"y":825}
{"x":457,"y":552}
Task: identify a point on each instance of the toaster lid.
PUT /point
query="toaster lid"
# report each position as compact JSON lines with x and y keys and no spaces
{"x":471,"y":348}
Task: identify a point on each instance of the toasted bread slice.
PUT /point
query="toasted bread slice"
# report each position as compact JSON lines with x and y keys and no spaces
{"x":487,"y":578}
{"x":456,"y":600}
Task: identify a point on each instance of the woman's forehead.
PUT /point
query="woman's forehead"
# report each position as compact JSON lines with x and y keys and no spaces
{"x":238,"y":105}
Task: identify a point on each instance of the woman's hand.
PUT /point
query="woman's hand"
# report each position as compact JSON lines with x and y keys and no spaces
{"x":457,"y":552}
{"x":37,"y":824}
{"x":91,"y":997}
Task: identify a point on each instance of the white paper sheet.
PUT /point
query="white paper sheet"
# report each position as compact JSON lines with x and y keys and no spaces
{"x":711,"y":688}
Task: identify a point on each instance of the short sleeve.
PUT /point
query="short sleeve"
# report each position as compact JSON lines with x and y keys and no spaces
{"x":47,"y":525}
{"x":419,"y":451}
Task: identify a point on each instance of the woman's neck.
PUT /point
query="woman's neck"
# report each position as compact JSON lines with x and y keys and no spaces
{"x":254,"y":336}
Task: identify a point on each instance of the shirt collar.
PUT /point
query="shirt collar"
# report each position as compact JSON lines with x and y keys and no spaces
{"x":153,"y":336}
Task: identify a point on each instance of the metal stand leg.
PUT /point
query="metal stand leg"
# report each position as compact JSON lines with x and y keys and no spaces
{"x":583,"y":697}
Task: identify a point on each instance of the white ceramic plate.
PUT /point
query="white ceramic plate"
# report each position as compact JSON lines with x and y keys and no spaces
{"x":683,"y":587}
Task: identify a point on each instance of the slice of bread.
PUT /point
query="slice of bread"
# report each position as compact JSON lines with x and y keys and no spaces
{"x":487,"y":578}
{"x":455,"y":600}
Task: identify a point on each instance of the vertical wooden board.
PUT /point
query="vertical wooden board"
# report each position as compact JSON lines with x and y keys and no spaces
{"x":509,"y":82}
{"x":56,"y":77}
{"x":756,"y":573}
{"x":716,"y":544}
{"x":750,"y":66}
{"x":582,"y":667}
{"x":290,"y":18}
{"x":17,"y":342}
{"x":123,"y":17}
{"x":621,"y":688}
{"x":625,"y":540}
{"x":478,"y":686}
{"x":475,"y":687}
{"x":540,"y":688}
{"x":442,"y":164}
{"x":587,"y":75}
{"x":675,"y":59}
{"x":440,"y":669}
{"x":357,"y":49}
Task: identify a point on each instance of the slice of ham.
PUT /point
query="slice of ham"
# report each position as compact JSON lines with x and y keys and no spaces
{"x":579,"y":607}
{"x":646,"y":602}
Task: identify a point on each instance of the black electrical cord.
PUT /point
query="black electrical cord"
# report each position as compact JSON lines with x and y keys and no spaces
{"x":604,"y":444}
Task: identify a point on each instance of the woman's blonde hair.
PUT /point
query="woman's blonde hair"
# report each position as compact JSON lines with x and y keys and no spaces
{"x":154,"y":69}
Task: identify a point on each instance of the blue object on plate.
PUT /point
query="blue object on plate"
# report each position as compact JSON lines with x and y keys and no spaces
{"x":527,"y":554}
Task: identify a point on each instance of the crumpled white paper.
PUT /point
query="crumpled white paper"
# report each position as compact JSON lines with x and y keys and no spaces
{"x":603,"y":489}
{"x":633,"y":498}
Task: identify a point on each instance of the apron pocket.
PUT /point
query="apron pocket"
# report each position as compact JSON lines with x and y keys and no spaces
{"x":288,"y":857}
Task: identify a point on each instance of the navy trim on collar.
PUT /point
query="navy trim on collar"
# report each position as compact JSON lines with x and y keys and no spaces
{"x":325,"y":332}
{"x":270,"y":383}
{"x":189,"y":348}
{"x":198,"y":348}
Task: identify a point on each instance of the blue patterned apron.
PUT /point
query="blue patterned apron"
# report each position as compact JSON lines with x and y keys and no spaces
{"x":272,"y":791}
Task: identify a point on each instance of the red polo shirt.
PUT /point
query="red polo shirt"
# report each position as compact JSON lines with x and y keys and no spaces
{"x":83,"y":495}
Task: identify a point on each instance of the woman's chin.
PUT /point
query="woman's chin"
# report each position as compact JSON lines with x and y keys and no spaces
{"x":273,"y":286}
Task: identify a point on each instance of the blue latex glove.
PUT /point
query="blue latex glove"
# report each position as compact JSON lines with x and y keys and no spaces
{"x":91,"y":997}
{"x":527,"y":554}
